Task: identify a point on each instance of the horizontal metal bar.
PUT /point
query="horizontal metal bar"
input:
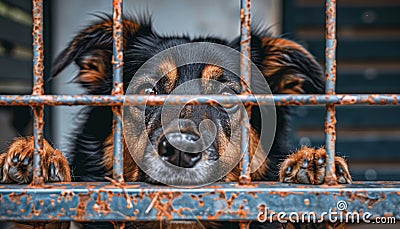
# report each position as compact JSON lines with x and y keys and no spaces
{"x":279,"y":100}
{"x":220,"y":201}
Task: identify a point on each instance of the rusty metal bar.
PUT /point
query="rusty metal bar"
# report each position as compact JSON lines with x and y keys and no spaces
{"x":119,"y":225}
{"x":139,"y":100}
{"x":38,"y":56}
{"x":330,"y":72}
{"x":118,"y":89}
{"x":245,"y":177}
{"x":245,"y":75}
{"x":220,"y":201}
{"x":244,"y":225}
{"x":39,"y":226}
{"x":245,"y":43}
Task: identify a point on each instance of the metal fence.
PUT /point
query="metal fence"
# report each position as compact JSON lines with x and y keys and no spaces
{"x":119,"y":201}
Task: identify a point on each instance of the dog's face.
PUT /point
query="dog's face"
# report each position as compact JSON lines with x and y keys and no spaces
{"x":183,"y":144}
{"x":191,"y":144}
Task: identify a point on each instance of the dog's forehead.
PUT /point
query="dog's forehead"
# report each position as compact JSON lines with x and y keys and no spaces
{"x":194,"y":78}
{"x":207,"y":71}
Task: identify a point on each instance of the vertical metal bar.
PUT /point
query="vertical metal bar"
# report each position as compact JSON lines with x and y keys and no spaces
{"x":118,"y":89}
{"x":39,"y":226}
{"x":245,"y":74}
{"x":244,"y":225}
{"x":119,"y":225}
{"x":330,"y":72}
{"x":38,"y":68}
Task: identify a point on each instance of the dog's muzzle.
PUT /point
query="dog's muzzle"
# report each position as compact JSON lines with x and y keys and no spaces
{"x":175,"y":156}
{"x":184,"y":147}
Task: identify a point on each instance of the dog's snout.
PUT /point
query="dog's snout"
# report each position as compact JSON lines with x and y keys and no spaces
{"x":168,"y":149}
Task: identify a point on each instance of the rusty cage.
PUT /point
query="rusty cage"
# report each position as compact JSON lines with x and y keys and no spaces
{"x":119,"y":201}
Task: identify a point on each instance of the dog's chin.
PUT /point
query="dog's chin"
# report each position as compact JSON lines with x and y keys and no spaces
{"x":163,"y":172}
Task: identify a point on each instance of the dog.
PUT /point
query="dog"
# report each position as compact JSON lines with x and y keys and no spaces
{"x":287,"y":67}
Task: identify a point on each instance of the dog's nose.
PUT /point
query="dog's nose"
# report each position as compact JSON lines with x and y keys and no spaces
{"x":175,"y":156}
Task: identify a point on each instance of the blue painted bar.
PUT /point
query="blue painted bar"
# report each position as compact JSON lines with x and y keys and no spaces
{"x":220,"y":201}
{"x":330,"y":71}
{"x":245,"y":74}
{"x":38,"y":57}
{"x":140,"y":100}
{"x":118,"y":89}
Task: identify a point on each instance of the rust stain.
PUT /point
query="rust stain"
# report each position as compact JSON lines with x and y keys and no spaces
{"x":102,"y":206}
{"x":65,"y":195}
{"x":244,"y":225}
{"x":313,"y":100}
{"x":117,"y":100}
{"x":38,"y":67}
{"x":330,"y":126}
{"x":394,"y":102}
{"x":348,"y":99}
{"x":330,"y":71}
{"x":82,"y":204}
{"x":124,"y":186}
{"x":282,"y":194}
{"x":253,"y":194}
{"x":162,"y":202}
{"x":34,"y":212}
{"x":16,"y":197}
{"x":118,"y":89}
{"x":38,"y":47}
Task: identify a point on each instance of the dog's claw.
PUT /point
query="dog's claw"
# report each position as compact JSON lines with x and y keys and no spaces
{"x":288,"y":170}
{"x":320,"y":161}
{"x":307,"y":166}
{"x":339,"y":169}
{"x":53,"y":175}
{"x":15,"y":159}
{"x":26,"y":161}
{"x":305,"y":163}
{"x":52,"y":171}
{"x":17,"y":163}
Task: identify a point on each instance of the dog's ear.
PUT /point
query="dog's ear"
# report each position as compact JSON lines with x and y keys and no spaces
{"x":287,"y":66}
{"x":91,"y":50}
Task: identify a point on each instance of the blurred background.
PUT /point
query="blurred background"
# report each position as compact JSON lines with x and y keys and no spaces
{"x":368,"y":62}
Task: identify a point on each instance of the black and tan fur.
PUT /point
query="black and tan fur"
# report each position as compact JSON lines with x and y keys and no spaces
{"x":287,"y":67}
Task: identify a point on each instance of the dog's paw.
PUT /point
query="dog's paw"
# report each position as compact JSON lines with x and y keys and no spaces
{"x":16,"y":163}
{"x":307,"y":166}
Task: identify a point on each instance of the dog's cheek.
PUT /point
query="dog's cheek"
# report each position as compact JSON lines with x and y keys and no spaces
{"x":139,"y":138}
{"x":131,"y":169}
{"x":258,"y":158}
{"x":229,"y":147}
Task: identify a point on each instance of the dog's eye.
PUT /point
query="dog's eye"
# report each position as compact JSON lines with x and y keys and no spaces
{"x":146,"y":89}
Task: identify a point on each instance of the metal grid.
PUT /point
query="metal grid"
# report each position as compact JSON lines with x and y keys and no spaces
{"x":118,"y":201}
